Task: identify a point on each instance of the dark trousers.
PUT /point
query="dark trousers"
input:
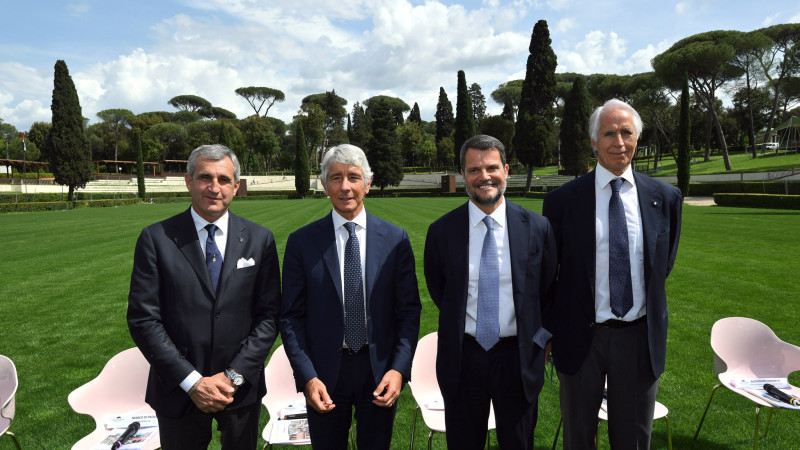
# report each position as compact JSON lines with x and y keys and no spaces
{"x":353,"y":390}
{"x":490,"y":376}
{"x":238,"y":428}
{"x":622,"y":355}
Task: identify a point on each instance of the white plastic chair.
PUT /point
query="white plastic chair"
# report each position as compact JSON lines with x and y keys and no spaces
{"x":425,"y":390}
{"x":118,"y":389}
{"x":281,"y":390}
{"x":8,"y":389}
{"x":745,"y":348}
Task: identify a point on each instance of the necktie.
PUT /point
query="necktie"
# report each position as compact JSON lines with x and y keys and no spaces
{"x":619,"y":261}
{"x":488,"y":321}
{"x":355,"y":332}
{"x":213,"y":256}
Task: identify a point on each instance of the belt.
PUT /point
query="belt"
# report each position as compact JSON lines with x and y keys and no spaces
{"x":614,"y":323}
{"x":348,"y":351}
{"x":504,"y":342}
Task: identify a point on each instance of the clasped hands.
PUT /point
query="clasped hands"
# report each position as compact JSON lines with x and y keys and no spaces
{"x":213,"y":394}
{"x":385,"y":393}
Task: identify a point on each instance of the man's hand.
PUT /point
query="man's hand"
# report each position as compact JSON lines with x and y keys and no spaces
{"x":388,"y":389}
{"x":212,"y":394}
{"x":317,"y":396}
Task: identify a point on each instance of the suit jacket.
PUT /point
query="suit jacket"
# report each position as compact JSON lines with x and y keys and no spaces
{"x":571,"y":211}
{"x":533,"y":265}
{"x":181,"y":325}
{"x":312,"y":317}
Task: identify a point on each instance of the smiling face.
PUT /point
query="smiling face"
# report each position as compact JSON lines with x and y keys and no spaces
{"x":616,"y":140}
{"x":346,"y":187}
{"x":485,"y":178}
{"x":212,"y":187}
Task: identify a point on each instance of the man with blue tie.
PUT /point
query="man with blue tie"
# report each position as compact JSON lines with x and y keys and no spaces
{"x":617,"y":234}
{"x":203,"y":308}
{"x":351,"y":310}
{"x":488,"y":266}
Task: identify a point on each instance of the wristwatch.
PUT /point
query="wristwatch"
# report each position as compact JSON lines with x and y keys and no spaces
{"x":234,"y":376}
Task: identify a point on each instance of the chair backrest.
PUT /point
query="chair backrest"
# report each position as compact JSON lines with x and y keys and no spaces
{"x":120,"y":386}
{"x":279,"y":378}
{"x":751,"y":349}
{"x":8,"y":389}
{"x":423,"y":381}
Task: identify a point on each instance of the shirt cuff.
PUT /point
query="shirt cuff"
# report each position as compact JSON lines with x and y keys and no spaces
{"x":190,"y":380}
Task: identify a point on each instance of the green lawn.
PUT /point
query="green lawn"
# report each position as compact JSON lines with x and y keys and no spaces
{"x":740,"y":162}
{"x":66,"y":273}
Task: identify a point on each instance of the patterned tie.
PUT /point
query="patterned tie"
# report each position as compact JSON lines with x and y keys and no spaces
{"x":619,"y":261}
{"x":488,"y":321}
{"x":213,"y":256}
{"x":355,"y":332}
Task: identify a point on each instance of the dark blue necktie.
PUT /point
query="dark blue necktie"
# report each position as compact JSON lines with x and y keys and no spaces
{"x":355,"y":331}
{"x":488,"y":321}
{"x":619,"y":260}
{"x":213,"y":256}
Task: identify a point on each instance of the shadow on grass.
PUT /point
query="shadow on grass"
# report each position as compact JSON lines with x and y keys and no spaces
{"x":749,"y":212}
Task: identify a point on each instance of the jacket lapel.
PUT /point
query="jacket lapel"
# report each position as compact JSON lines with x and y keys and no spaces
{"x":326,"y":242}
{"x":234,"y":249}
{"x":376,"y":246}
{"x":517,"y":222}
{"x":649,"y":199}
{"x":185,"y":237}
{"x":585,"y":219}
{"x":458,"y":246}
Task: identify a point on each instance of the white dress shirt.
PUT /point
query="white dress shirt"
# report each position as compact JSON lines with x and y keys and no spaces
{"x":220,"y":237}
{"x":633,"y":219}
{"x":342,"y":235}
{"x":477,"y":232}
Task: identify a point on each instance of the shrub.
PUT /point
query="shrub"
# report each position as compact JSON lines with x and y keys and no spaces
{"x":758,"y":201}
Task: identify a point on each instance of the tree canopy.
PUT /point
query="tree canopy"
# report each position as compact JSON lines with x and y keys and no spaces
{"x":258,"y":96}
{"x":187,"y":102}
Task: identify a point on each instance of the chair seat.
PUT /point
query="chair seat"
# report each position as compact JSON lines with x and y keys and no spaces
{"x":659,"y":412}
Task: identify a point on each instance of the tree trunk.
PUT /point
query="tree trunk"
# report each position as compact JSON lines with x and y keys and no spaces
{"x":723,"y":146}
{"x":70,"y":192}
{"x":707,"y":155}
{"x":751,"y":127}
{"x":529,"y":167}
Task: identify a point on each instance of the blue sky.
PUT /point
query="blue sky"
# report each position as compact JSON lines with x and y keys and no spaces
{"x":138,"y":55}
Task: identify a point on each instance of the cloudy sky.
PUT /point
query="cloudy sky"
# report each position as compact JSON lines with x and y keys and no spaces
{"x":138,"y":55}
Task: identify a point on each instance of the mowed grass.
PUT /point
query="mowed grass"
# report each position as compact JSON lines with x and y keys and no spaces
{"x":740,"y":162}
{"x":65,"y":278}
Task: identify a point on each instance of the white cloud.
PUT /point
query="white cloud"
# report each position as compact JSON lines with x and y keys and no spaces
{"x":558,"y":5}
{"x":597,"y":53}
{"x":682,"y":8}
{"x":564,"y":25}
{"x":794,"y":19}
{"x":769,"y":20}
{"x":79,"y":9}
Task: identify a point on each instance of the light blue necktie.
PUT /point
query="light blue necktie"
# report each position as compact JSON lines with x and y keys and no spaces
{"x":488,"y":321}
{"x":355,"y":331}
{"x":619,"y":260}
{"x":213,"y":256}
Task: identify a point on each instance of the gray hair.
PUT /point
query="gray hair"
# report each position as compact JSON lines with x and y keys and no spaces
{"x":214,"y":152}
{"x":345,"y":154}
{"x":482,"y":142}
{"x":594,"y":121}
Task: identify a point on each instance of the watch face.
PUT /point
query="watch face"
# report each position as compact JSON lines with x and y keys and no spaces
{"x":238,"y":380}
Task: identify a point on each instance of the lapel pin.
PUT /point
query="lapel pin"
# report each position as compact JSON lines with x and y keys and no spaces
{"x":655,"y":203}
{"x":241,"y":239}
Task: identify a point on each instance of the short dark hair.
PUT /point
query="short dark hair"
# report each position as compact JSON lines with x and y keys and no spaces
{"x":482,"y":142}
{"x":214,"y":152}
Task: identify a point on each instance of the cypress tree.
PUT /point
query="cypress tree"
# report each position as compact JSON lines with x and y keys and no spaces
{"x":67,"y":144}
{"x":576,"y":146}
{"x":444,"y":116}
{"x":414,"y":116}
{"x":302,"y":173}
{"x":465,"y":126}
{"x":535,"y":114}
{"x":137,"y":143}
{"x":684,"y":140}
{"x":385,"y":157}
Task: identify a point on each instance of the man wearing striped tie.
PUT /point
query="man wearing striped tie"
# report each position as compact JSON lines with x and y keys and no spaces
{"x":488,"y":264}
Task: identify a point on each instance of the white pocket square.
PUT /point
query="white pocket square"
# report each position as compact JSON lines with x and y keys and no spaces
{"x":242,"y":263}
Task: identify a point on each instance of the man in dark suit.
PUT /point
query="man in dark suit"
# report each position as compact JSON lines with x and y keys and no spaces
{"x":350,"y":317}
{"x":203,"y":308}
{"x":488,"y":281}
{"x":617,"y":235}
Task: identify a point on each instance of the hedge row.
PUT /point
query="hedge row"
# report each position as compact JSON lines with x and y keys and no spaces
{"x":758,"y":201}
{"x":59,"y":206}
{"x":744,"y":187}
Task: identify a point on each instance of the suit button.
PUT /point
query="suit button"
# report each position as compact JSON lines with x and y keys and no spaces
{"x":216,"y":316}
{"x":591,"y":324}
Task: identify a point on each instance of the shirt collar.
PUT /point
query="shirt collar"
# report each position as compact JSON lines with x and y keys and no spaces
{"x":476,"y":215}
{"x":200,"y":223}
{"x":602,"y":176}
{"x":360,"y":219}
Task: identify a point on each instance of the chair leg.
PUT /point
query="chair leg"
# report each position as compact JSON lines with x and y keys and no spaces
{"x":14,"y":436}
{"x":413,"y":428}
{"x":699,"y":425}
{"x":755,"y":433}
{"x":430,"y":438}
{"x":669,"y":434}
{"x":558,"y":432}
{"x":769,"y":418}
